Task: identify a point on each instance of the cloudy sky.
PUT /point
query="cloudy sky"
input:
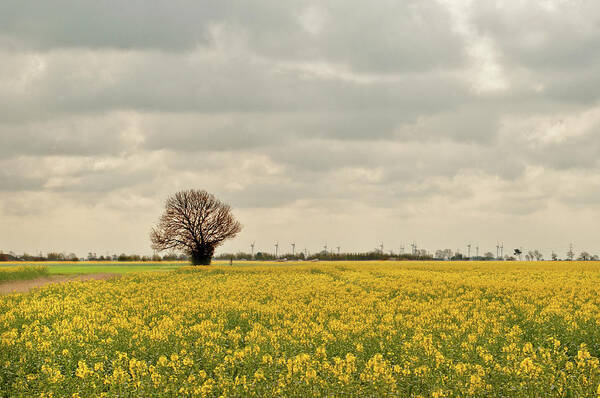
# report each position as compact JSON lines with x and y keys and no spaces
{"x":343,"y":122}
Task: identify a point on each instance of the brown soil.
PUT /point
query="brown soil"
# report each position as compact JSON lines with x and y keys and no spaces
{"x":26,"y":285}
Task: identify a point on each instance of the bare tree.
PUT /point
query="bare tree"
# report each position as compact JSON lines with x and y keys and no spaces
{"x":194,"y":222}
{"x":445,"y":254}
{"x":585,"y":256}
{"x":529,"y":256}
{"x":538,"y":255}
{"x":570,"y":253}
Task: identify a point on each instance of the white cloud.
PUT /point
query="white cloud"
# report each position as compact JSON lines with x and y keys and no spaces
{"x":485,"y":73}
{"x":313,"y":19}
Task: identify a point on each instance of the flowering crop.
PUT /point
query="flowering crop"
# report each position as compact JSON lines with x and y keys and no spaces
{"x":22,"y":272}
{"x":326,"y":329}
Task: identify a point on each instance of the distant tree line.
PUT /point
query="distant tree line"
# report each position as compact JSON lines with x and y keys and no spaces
{"x":439,"y":255}
{"x":55,"y":256}
{"x":324,"y":256}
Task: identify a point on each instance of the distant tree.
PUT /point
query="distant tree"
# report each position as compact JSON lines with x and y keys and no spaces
{"x":554,"y":257}
{"x":488,"y":256}
{"x":422,"y":253}
{"x":457,"y":257}
{"x":584,"y":256}
{"x":538,"y":255}
{"x":195,"y":222}
{"x":570,"y":254}
{"x":445,"y":254}
{"x":53,"y":256}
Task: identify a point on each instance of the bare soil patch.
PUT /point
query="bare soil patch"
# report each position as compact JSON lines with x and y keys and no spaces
{"x":26,"y":285}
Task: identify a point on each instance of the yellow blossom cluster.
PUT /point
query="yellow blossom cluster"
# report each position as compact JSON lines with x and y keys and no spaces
{"x":409,"y":329}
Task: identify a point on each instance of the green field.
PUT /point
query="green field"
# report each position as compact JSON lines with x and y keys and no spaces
{"x":64,"y":268}
{"x":120,"y":267}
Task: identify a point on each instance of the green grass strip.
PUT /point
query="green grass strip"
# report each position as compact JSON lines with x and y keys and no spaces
{"x":22,"y":272}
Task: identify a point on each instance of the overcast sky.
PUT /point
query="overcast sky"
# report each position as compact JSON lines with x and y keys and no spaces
{"x":343,"y":122}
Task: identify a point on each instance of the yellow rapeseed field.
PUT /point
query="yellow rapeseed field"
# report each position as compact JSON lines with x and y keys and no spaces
{"x":321,"y":329}
{"x":14,"y":272}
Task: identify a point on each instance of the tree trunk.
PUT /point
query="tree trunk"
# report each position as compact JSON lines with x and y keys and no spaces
{"x":203,"y":255}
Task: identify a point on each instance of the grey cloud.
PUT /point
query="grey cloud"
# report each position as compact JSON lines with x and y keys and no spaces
{"x":543,"y":35}
{"x":380,"y":38}
{"x":14,"y":183}
{"x":519,"y":204}
{"x":206,"y":132}
{"x":155,"y":82}
{"x":555,"y":142}
{"x":72,"y":174}
{"x":103,"y":181}
{"x":27,"y":204}
{"x":579,"y":153}
{"x":68,"y":136}
{"x":557,"y":42}
{"x":576,"y":86}
{"x":372,"y":38}
{"x":270,"y":194}
{"x":471,"y":123}
{"x":105,"y":23}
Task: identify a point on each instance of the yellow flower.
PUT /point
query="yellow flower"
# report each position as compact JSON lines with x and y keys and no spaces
{"x":82,"y":370}
{"x":162,"y":361}
{"x":259,"y":375}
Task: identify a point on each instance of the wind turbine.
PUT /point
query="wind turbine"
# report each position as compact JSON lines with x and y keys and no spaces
{"x":338,"y":249}
{"x":325,"y":247}
{"x":381,"y":247}
{"x":293,"y":248}
{"x":276,"y":249}
{"x":469,"y":251}
{"x":252,"y":248}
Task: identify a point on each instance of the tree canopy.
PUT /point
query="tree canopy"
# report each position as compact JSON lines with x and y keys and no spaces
{"x":195,"y":222}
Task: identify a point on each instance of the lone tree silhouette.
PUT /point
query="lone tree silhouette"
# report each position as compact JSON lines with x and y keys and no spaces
{"x":194,"y":222}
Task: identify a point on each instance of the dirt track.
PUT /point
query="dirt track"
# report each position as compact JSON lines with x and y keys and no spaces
{"x":26,"y":285}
